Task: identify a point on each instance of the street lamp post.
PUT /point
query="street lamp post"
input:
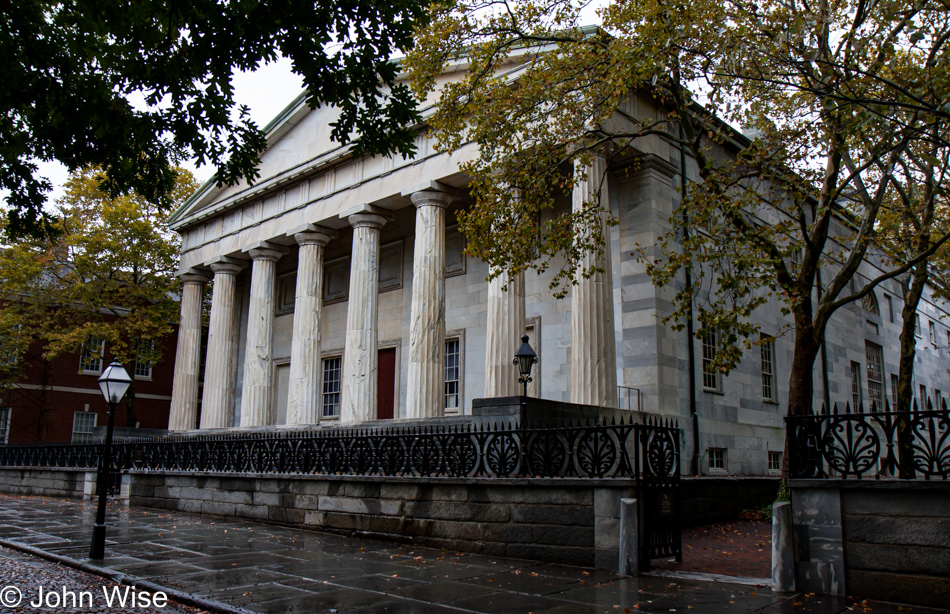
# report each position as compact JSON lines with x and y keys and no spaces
{"x":114,"y":383}
{"x":525,"y":358}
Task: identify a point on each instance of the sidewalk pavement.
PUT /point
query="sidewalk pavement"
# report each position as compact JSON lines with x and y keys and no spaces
{"x":232,"y":565}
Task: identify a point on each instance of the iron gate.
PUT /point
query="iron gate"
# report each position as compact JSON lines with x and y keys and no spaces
{"x":658,"y":497}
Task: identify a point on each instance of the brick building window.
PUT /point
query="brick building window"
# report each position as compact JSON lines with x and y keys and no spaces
{"x":332,"y":380}
{"x":453,"y":373}
{"x":83,"y":424}
{"x":142,"y":368}
{"x":90,"y":357}
{"x":5,"y":413}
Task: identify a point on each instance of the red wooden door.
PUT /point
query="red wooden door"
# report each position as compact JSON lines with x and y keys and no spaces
{"x":386,"y":384}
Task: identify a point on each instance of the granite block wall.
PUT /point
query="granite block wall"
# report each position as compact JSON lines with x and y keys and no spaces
{"x":48,"y":482}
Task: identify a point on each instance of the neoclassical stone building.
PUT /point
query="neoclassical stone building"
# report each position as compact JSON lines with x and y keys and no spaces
{"x":341,"y":295}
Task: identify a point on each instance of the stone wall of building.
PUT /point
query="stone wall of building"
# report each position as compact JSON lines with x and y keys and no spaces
{"x":48,"y":482}
{"x":887,"y":540}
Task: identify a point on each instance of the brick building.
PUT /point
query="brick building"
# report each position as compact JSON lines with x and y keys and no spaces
{"x":59,"y":400}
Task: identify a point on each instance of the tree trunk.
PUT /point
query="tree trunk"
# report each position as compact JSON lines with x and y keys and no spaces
{"x":905,"y":377}
{"x":801,"y":383}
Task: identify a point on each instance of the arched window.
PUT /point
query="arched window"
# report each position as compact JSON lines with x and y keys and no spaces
{"x":870,"y":304}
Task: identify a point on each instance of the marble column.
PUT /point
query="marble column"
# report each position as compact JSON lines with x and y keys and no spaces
{"x":593,"y":345}
{"x":506,"y":324}
{"x":258,"y":388}
{"x":358,"y":401}
{"x":218,"y":396}
{"x":184,"y":406}
{"x":425,"y":388}
{"x":306,"y":378}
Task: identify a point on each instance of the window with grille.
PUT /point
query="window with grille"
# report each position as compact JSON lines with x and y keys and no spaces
{"x":875,"y":356}
{"x":870,"y":304}
{"x":775,"y":461}
{"x":712,"y":379}
{"x":142,"y":369}
{"x":855,"y":385}
{"x":717,"y":458}
{"x":767,"y":349}
{"x":332,"y":384}
{"x":5,"y":413}
{"x":83,"y":424}
{"x":90,"y":357}
{"x":452,"y":374}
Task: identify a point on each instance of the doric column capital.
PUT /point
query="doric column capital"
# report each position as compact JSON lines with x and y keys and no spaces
{"x":430,"y":194}
{"x":225,"y":265}
{"x":366,"y":216}
{"x":193,"y":275}
{"x":265,"y":250}
{"x":311,"y":234}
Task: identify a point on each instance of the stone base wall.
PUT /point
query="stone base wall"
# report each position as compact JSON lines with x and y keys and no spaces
{"x":710,"y":500}
{"x":887,"y":540}
{"x":560,"y":521}
{"x":48,"y":482}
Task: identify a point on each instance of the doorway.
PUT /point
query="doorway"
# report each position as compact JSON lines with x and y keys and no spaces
{"x":386,"y":384}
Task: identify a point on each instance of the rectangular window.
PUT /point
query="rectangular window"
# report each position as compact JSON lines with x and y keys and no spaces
{"x":917,"y":325}
{"x":893,"y":392}
{"x":933,"y":333}
{"x":875,"y":356}
{"x":5,"y":413}
{"x":717,"y":458}
{"x":332,"y":380}
{"x":923,"y":398}
{"x":90,"y":357}
{"x":775,"y":461}
{"x":856,"y":396}
{"x":286,"y":293}
{"x":938,"y":399}
{"x":711,"y":375}
{"x":890,"y":308}
{"x":768,"y":367}
{"x":83,"y":424}
{"x":452,"y":374}
{"x":142,"y":368}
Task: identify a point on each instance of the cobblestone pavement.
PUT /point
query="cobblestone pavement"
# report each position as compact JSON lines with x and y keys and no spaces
{"x":267,"y":568}
{"x":742,"y":548}
{"x":65,"y":587}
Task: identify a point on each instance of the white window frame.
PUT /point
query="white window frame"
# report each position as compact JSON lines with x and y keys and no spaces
{"x":338,"y":391}
{"x":716,"y":460}
{"x":86,"y":354}
{"x":457,"y":393}
{"x":875,"y":358}
{"x":84,"y":436}
{"x":6,"y":416}
{"x":776,"y":466}
{"x":709,"y":342}
{"x":933,"y":333}
{"x":767,"y":355}
{"x":139,"y":367}
{"x":857,"y":395}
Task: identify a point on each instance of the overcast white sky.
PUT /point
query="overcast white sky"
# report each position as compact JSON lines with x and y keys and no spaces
{"x":266,"y":92}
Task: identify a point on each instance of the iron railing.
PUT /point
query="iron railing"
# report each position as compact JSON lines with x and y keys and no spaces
{"x":877,"y":444}
{"x":598,"y":450}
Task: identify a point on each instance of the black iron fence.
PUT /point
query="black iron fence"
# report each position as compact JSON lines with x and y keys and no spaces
{"x":615,"y":450}
{"x":875,"y":444}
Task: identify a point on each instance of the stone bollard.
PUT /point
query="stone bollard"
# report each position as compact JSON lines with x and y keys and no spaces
{"x":629,"y":538}
{"x":783,"y":560}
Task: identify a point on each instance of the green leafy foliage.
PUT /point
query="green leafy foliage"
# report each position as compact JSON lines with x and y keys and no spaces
{"x":76,"y":74}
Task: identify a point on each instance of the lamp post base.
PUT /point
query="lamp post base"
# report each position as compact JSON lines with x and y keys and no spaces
{"x":97,"y":550}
